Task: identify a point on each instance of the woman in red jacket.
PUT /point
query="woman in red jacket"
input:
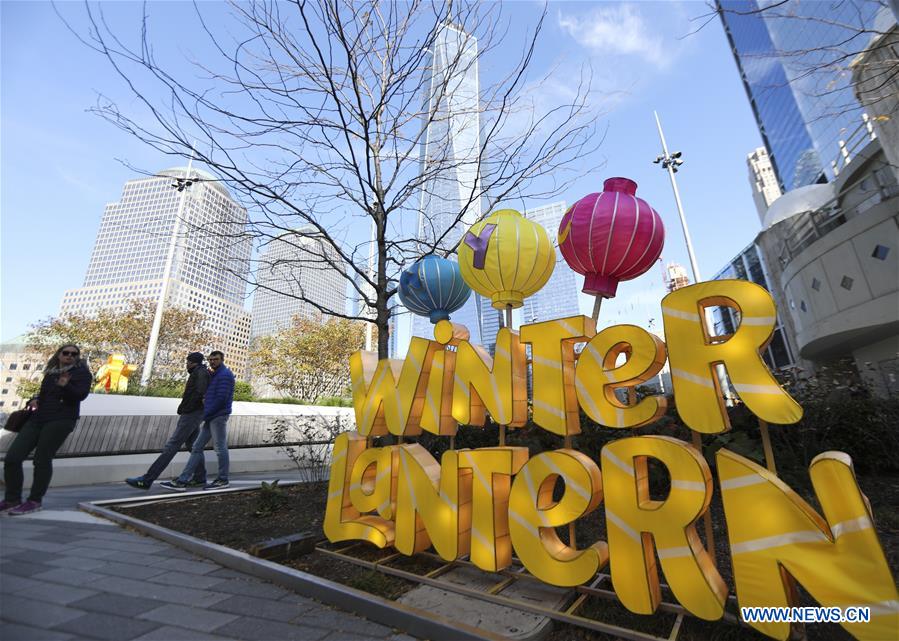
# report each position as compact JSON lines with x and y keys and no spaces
{"x":55,"y":411}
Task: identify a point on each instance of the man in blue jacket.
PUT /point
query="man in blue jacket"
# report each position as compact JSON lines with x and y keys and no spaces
{"x":216,"y":411}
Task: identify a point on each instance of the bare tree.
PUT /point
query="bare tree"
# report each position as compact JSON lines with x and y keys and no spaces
{"x":332,"y":120}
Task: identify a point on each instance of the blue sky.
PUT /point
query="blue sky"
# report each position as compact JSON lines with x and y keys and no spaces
{"x":61,"y":164}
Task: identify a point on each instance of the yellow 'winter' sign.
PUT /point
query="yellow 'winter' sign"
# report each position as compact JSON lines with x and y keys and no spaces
{"x":491,"y":502}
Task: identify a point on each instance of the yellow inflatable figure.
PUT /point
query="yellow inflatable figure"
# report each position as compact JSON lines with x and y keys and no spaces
{"x":506,"y":258}
{"x":113,"y":375}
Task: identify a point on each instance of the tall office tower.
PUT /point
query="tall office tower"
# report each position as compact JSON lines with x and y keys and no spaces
{"x":293,"y":266}
{"x":781,"y":125}
{"x":789,"y":56}
{"x":207,"y":250}
{"x":453,"y":142}
{"x":559,"y":297}
{"x":675,"y":277}
{"x":763,"y":181}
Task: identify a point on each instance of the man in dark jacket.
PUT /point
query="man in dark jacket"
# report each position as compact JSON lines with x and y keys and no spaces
{"x":190,"y":415}
{"x":216,"y":412}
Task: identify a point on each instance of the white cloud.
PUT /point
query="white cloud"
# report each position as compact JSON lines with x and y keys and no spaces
{"x":617,"y":30}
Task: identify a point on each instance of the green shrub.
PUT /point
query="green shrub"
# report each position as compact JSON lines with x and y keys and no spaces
{"x":243,"y":391}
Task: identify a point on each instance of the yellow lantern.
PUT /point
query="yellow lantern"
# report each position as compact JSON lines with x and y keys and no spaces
{"x":506,"y":257}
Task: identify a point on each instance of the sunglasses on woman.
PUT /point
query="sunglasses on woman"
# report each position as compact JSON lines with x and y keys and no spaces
{"x":67,"y":353}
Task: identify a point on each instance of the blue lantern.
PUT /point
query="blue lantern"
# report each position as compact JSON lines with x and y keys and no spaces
{"x":433,"y":287}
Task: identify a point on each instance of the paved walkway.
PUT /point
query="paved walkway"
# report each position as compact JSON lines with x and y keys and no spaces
{"x":65,"y":574}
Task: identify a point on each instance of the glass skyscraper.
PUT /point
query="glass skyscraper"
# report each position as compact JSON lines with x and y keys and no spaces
{"x":749,"y":265}
{"x":559,"y":297}
{"x":452,"y":145}
{"x":793,"y":62}
{"x":780,"y":122}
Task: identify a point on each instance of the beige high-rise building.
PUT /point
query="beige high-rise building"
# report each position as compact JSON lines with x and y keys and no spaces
{"x":763,"y":180}
{"x":294,"y":267}
{"x":208,"y":251}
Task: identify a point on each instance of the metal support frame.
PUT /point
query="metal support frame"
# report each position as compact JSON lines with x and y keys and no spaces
{"x":568,"y":613}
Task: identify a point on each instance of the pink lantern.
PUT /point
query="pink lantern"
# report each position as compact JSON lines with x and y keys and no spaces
{"x":610,"y":237}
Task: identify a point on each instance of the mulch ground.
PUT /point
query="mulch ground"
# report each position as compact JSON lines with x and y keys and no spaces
{"x":241,"y":519}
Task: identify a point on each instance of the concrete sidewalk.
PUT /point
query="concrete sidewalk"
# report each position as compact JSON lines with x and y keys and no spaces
{"x":65,"y":574}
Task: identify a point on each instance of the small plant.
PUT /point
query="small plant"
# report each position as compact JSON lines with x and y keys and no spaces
{"x":308,"y":441}
{"x":271,"y":499}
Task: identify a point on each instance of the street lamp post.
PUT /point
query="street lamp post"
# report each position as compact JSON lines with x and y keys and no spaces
{"x":182,"y":185}
{"x":670,"y":162}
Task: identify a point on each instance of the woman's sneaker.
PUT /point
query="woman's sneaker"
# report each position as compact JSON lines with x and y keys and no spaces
{"x":217,"y":484}
{"x":25,"y":508}
{"x":6,"y":506}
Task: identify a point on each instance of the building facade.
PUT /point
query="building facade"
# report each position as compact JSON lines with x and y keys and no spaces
{"x":18,"y":364}
{"x":781,"y":123}
{"x":827,"y":250}
{"x":559,"y":297}
{"x":675,"y":277}
{"x":296,"y":277}
{"x":763,"y":181}
{"x":452,"y":143}
{"x":198,"y":230}
{"x":791,"y":57}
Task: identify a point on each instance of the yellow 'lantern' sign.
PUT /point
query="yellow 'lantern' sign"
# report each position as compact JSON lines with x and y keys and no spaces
{"x":494,"y":502}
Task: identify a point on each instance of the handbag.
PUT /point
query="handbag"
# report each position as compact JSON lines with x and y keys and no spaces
{"x":17,"y":419}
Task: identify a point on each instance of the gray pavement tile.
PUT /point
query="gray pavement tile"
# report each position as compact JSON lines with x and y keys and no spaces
{"x":340,"y":635}
{"x":187,"y":580}
{"x":402,"y":636}
{"x":139,"y":546}
{"x":167,"y":593}
{"x":68,"y":576}
{"x":176,"y":553}
{"x":23,"y":568}
{"x":293,"y":597}
{"x":55,"y":537}
{"x":333,"y":619}
{"x":225,"y":573}
{"x":110,"y":627}
{"x":253,"y":629}
{"x":36,"y":613}
{"x":10,"y":584}
{"x":15,"y":632}
{"x":56,"y":593}
{"x":193,"y":618}
{"x":91,"y":553}
{"x":126,"y":606}
{"x":13,"y":528}
{"x":9,"y":550}
{"x":128,"y":570}
{"x":252,"y":588}
{"x":75,"y":563}
{"x":252,"y":606}
{"x":24,"y":554}
{"x":171,"y":633}
{"x":116,"y":534}
{"x":185,"y":565}
{"x":43,"y":546}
